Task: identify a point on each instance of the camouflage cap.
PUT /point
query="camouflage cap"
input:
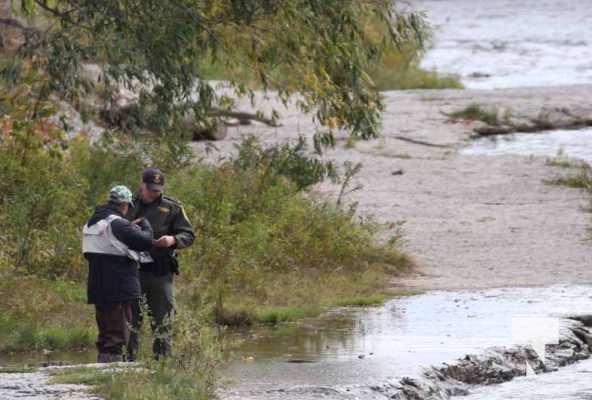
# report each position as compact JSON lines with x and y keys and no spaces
{"x":120,"y":194}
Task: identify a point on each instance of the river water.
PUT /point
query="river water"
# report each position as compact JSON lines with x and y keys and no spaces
{"x":355,"y":349}
{"x":489,"y":44}
{"x":511,"y":43}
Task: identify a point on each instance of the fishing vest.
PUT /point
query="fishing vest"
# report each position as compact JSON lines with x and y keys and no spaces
{"x":99,"y":238}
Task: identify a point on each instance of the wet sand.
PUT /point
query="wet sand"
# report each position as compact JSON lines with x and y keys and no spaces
{"x":469,"y":221}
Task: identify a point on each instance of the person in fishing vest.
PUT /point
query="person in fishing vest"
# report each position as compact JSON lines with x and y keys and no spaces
{"x":111,"y":244}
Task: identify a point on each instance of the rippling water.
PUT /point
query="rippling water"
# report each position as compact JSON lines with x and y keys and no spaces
{"x":511,"y":43}
{"x":568,"y":383}
{"x":370,"y":346}
{"x":559,"y":143}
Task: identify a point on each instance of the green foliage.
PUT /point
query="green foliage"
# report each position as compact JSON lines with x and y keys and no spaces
{"x":398,"y":69}
{"x":395,"y":77}
{"x":20,"y":369}
{"x":21,"y":335}
{"x":262,"y":243}
{"x":289,"y":161}
{"x":257,"y":234}
{"x":321,"y":50}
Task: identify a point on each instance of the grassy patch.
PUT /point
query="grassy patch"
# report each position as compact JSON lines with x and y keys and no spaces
{"x":562,"y":162}
{"x":37,"y":316}
{"x":362,"y":301}
{"x":474,"y":112}
{"x":17,"y":369}
{"x":582,"y":179}
{"x":91,"y":376}
{"x":391,"y":74}
{"x":273,"y":316}
{"x":579,"y":181}
{"x":404,"y":292}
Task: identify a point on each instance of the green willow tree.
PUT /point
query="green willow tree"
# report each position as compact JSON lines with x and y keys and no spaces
{"x":318,"y":50}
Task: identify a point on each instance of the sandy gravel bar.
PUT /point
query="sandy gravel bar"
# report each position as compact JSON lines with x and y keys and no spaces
{"x":470,"y":221}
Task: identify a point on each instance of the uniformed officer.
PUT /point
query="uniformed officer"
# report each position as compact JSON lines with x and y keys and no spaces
{"x":172,"y":231}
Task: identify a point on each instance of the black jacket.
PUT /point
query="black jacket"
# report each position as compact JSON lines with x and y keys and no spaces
{"x":114,"y":278}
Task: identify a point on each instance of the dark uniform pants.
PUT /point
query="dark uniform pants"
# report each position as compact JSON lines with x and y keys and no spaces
{"x":158,"y":291}
{"x":114,"y":322}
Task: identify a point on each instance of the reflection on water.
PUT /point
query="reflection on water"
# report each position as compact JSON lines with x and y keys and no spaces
{"x":55,"y":358}
{"x":372,"y":345}
{"x":568,"y":143}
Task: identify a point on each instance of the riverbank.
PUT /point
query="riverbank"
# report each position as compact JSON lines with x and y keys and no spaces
{"x":470,"y":221}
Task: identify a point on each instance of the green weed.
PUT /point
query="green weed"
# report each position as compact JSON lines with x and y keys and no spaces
{"x":580,"y":180}
{"x":16,"y":369}
{"x":84,"y":375}
{"x":475,"y":112}
{"x":362,"y":301}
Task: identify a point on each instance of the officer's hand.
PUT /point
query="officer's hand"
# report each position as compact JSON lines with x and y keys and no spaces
{"x":165,"y":241}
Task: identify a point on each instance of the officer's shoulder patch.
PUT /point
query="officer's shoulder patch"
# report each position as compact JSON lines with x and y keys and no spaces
{"x":172,"y":200}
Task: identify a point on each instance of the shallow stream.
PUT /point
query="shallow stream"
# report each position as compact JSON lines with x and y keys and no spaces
{"x":351,"y":349}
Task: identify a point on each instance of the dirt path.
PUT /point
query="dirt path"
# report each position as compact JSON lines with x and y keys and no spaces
{"x":470,"y":221}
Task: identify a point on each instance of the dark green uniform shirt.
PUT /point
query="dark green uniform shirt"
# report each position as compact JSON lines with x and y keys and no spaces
{"x":167,"y":217}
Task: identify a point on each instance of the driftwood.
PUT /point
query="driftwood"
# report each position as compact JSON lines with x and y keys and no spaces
{"x":129,"y":118}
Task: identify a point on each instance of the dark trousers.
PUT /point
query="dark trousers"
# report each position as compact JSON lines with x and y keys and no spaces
{"x":158,"y":292}
{"x":114,"y":323}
